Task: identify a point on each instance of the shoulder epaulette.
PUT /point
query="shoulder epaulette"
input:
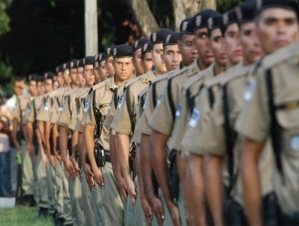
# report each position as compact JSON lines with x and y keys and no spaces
{"x":178,"y":72}
{"x":234,"y":72}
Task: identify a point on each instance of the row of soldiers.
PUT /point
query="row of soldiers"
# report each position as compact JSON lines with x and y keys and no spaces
{"x":196,"y":127}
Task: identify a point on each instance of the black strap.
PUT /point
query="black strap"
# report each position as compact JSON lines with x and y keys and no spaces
{"x":154,"y":94}
{"x":69,"y":103}
{"x":275,"y":128}
{"x":115,"y":97}
{"x":229,"y":141}
{"x":129,"y":108}
{"x":211,"y":97}
{"x":170,"y":99}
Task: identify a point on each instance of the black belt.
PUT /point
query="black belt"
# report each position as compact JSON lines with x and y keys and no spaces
{"x":107,"y":156}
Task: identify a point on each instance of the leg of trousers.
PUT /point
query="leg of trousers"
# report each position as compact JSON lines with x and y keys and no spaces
{"x":4,"y":171}
{"x":87,"y":202}
{"x":67,"y":205}
{"x":113,"y":208}
{"x":28,"y":185}
{"x":59,"y":188}
{"x":51,"y":187}
{"x":181,"y":207}
{"x":13,"y":170}
{"x":167,"y":220}
{"x":41,"y":179}
{"x":139,"y":214}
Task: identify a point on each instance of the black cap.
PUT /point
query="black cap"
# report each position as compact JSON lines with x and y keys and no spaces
{"x":65,"y":66}
{"x":147,"y":47}
{"x":33,"y":77}
{"x":214,"y":23}
{"x":139,"y":43}
{"x":228,"y":18}
{"x":73,"y":64}
{"x":285,"y":4}
{"x":80,"y":63}
{"x":102,"y":57}
{"x":123,"y":50}
{"x":49,"y":74}
{"x":159,"y":36}
{"x":96,"y":58}
{"x":200,"y":20}
{"x":245,"y":11}
{"x":88,"y":60}
{"x":172,"y":39}
{"x":109,"y":50}
{"x":187,"y":27}
{"x":59,"y":68}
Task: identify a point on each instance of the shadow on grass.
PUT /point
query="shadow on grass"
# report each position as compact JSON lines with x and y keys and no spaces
{"x":25,"y":216}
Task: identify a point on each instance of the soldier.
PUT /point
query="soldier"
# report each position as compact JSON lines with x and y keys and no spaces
{"x":147,"y":57}
{"x":19,"y":129}
{"x":270,"y":111}
{"x":109,"y":60}
{"x":163,"y":126}
{"x":137,"y":51}
{"x":100,"y":67}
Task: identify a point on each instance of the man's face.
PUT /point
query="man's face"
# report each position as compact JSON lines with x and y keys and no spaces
{"x":55,"y":85}
{"x":137,"y":62}
{"x":48,"y":84}
{"x":250,"y":43}
{"x":66,"y":77}
{"x":32,"y":88}
{"x":88,"y":75}
{"x":18,"y":87}
{"x":188,"y":49}
{"x":60,"y":78}
{"x":147,"y":61}
{"x":102,"y":70}
{"x":277,"y":28}
{"x":39,"y":88}
{"x":172,"y":57}
{"x":157,"y":58}
{"x":110,"y":66}
{"x":216,"y":45}
{"x":73,"y":76}
{"x":232,"y":45}
{"x":80,"y":76}
{"x":97,"y":77}
{"x":202,"y":43}
{"x":123,"y":68}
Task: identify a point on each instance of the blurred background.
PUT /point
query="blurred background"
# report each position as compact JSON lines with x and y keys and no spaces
{"x":38,"y":35}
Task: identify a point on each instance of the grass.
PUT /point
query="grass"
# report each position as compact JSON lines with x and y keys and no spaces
{"x":24,"y":216}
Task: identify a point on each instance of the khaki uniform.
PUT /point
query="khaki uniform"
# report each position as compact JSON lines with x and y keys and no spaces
{"x":255,"y":121}
{"x":28,"y":183}
{"x":124,"y":121}
{"x":111,"y":203}
{"x":163,"y":117}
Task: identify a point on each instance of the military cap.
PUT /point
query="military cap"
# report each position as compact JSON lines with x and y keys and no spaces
{"x":109,"y":51}
{"x":65,"y":66}
{"x":214,"y":23}
{"x":33,"y":77}
{"x":88,"y":60}
{"x":80,"y":63}
{"x":171,"y":39}
{"x":228,"y":18}
{"x":200,"y":20}
{"x":147,"y":47}
{"x":123,"y":50}
{"x":40,"y":78}
{"x":59,"y":68}
{"x":49,"y":74}
{"x":159,"y":36}
{"x":186,"y":26}
{"x":285,"y":4}
{"x":73,"y":63}
{"x":245,"y":11}
{"x":102,"y":57}
{"x":139,"y":43}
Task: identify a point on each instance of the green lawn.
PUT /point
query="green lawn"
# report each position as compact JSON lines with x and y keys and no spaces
{"x":22,"y":216}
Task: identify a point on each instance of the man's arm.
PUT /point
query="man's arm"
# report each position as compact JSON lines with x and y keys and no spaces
{"x":214,"y":186}
{"x":250,"y":176}
{"x":14,"y":135}
{"x":158,"y":144}
{"x":122,"y":158}
{"x":29,"y":126}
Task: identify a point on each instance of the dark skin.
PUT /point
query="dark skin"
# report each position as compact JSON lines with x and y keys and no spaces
{"x":158,"y":143}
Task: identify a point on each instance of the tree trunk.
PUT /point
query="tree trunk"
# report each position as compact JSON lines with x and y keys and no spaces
{"x":188,"y":8}
{"x":144,"y":16}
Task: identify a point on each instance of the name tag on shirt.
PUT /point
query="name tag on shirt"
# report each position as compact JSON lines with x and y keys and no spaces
{"x":46,"y":107}
{"x":160,"y":99}
{"x":61,"y":107}
{"x":249,"y":91}
{"x":178,"y":111}
{"x":195,"y":116}
{"x":86,"y":107}
{"x":120,"y":102}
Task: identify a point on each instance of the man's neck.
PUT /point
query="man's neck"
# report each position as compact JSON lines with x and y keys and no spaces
{"x":218,"y":68}
{"x":201,"y":65}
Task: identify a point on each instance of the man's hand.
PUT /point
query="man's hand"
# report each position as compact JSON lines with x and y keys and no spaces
{"x":30,"y":148}
{"x":98,"y":177}
{"x":174,"y":213}
{"x":121,"y":185}
{"x":147,"y":210}
{"x":89,"y":175}
{"x":52,"y":160}
{"x":131,"y":190}
{"x":157,"y":208}
{"x":68,"y":165}
{"x":76,"y":167}
{"x":58,"y":156}
{"x":44,"y":159}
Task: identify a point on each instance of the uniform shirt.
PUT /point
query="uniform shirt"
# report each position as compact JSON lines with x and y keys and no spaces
{"x":163,"y":115}
{"x":83,"y":107}
{"x":255,"y":121}
{"x":193,"y":85}
{"x":44,"y":113}
{"x":20,"y":109}
{"x":57,"y":104}
{"x":34,"y":107}
{"x":100,"y":99}
{"x":122,"y":122}
{"x":153,"y":98}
